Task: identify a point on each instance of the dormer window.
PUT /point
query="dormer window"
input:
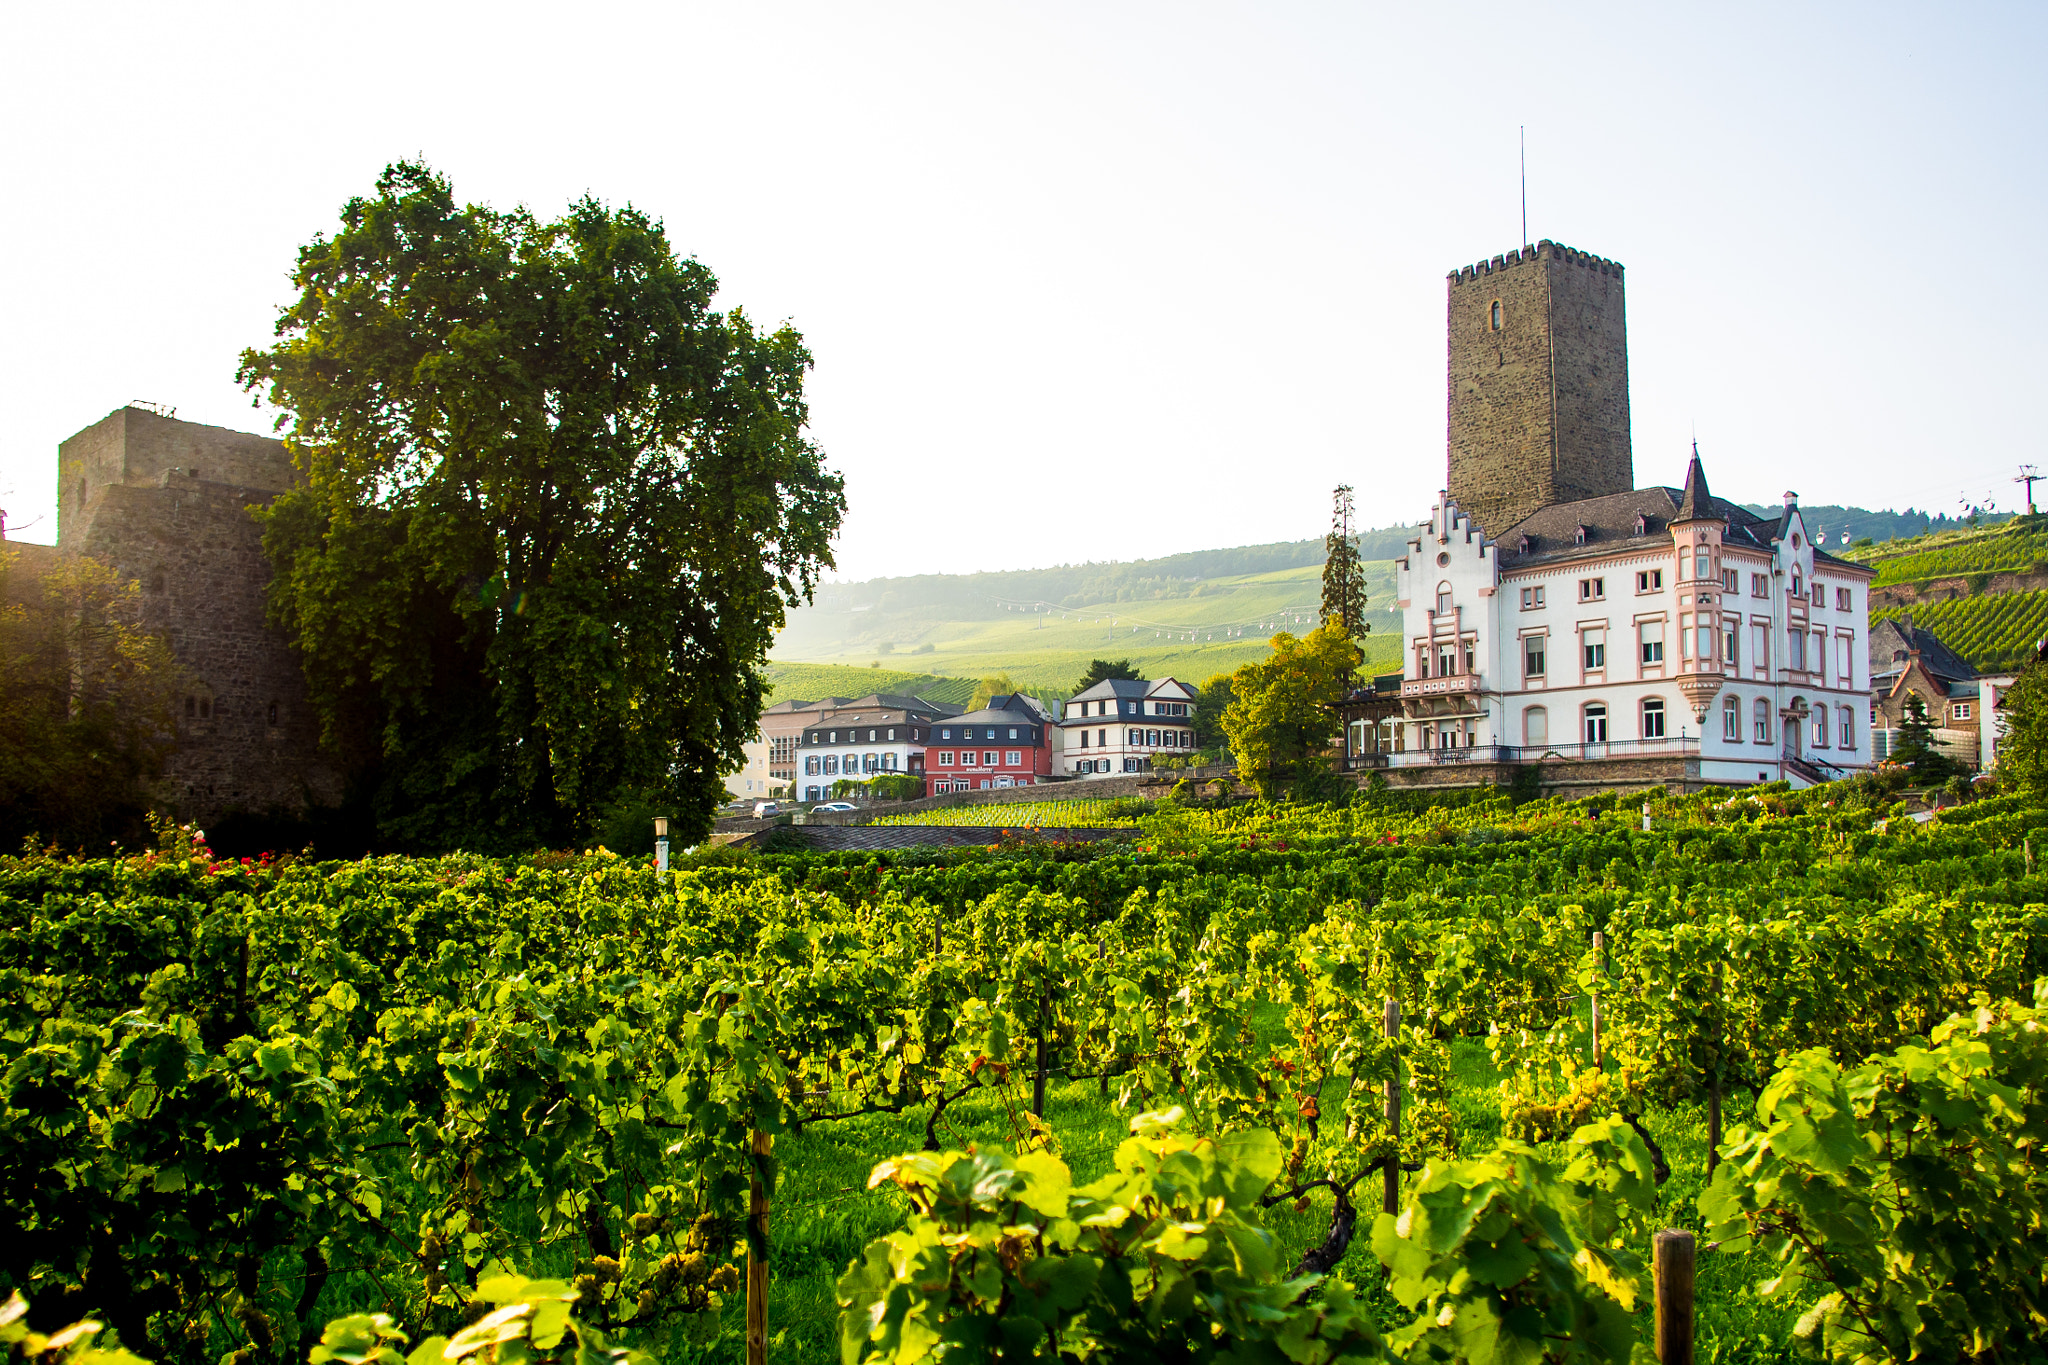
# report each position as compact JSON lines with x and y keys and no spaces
{"x":1579,"y":536}
{"x":1524,"y":547}
{"x":1642,"y":524}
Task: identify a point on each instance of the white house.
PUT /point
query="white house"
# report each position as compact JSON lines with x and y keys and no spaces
{"x":1653,"y":622}
{"x":1117,"y":726}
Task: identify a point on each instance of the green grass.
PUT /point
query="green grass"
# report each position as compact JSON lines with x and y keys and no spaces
{"x":1995,"y":632}
{"x":1046,"y":647}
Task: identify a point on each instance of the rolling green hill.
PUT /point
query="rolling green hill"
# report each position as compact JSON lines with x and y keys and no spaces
{"x":1208,"y":626}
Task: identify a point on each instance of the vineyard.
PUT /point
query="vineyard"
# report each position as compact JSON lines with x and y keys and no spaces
{"x":1995,"y":632}
{"x":1080,"y":813}
{"x":2018,"y":545}
{"x":1137,"y":1101}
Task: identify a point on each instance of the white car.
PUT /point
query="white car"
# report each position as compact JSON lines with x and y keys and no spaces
{"x":764,"y":809}
{"x":837,"y":805}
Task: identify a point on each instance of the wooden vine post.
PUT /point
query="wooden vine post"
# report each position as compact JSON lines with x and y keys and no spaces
{"x":1714,"y":1090}
{"x":757,"y":1256}
{"x":1390,"y":1200}
{"x":1599,"y":966}
{"x":1671,"y":1257}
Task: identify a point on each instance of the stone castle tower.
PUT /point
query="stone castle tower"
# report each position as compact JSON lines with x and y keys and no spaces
{"x":1538,"y":384}
{"x":167,"y":503}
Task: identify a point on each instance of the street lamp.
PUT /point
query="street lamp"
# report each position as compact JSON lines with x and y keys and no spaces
{"x":661,"y":843}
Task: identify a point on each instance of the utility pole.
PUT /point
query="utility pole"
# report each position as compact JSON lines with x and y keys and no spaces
{"x":2029,"y":477}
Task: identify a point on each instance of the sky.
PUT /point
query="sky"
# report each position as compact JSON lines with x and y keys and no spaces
{"x":1107,"y":280}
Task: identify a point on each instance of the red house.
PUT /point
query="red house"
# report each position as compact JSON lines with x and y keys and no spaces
{"x":1007,"y":743}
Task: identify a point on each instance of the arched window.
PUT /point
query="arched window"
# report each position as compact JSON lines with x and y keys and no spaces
{"x":1731,"y":719}
{"x":1848,"y":730}
{"x":1596,"y":724}
{"x":1820,"y":727}
{"x":1763,"y":721}
{"x":272,"y":715}
{"x":1443,"y":599}
{"x":1536,"y":727}
{"x":1495,"y":318}
{"x":1653,"y":718}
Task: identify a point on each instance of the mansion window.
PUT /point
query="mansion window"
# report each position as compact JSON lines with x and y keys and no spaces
{"x":1730,"y":578}
{"x":1596,"y":650}
{"x":1701,"y":567}
{"x":1013,"y":757}
{"x":1731,"y":719}
{"x":1760,"y":642}
{"x":1596,"y":724}
{"x":1848,"y":730}
{"x":1443,"y":599}
{"x":1532,"y":656}
{"x":1798,"y":588}
{"x":1795,"y":646}
{"x":1653,"y":718}
{"x":1731,"y":635}
{"x":1653,"y":643}
{"x":1820,"y":727}
{"x":812,"y":766}
{"x":1763,"y":721}
{"x":1446,"y":660}
{"x":1845,"y":660}
{"x":1961,"y":710}
{"x":1759,"y":585}
{"x":988,"y":758}
{"x":1650,"y":580}
{"x":1592,"y":589}
{"x":1820,"y":597}
{"x":1841,"y":599}
{"x":945,"y":758}
{"x":1532,"y":598}
{"x":1013,"y":733}
{"x":1536,"y":727}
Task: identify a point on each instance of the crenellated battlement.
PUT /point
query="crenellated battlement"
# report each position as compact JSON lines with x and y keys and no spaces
{"x":1543,"y":250}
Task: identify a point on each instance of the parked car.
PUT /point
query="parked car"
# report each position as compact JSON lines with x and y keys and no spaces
{"x":837,"y":805}
{"x":764,"y":809}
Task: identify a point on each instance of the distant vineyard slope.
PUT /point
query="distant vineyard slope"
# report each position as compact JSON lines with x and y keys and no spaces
{"x":1995,"y":631}
{"x":2018,"y":545}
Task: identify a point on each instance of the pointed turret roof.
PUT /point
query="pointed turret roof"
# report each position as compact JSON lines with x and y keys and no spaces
{"x":1696,"y":502}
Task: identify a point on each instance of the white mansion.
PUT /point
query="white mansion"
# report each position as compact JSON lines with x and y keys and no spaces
{"x":1657,"y":622}
{"x":1555,"y":614}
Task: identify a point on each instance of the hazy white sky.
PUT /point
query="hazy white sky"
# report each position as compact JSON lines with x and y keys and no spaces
{"x":1092,"y":281}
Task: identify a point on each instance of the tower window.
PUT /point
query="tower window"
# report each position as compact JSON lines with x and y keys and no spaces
{"x":1495,"y":319}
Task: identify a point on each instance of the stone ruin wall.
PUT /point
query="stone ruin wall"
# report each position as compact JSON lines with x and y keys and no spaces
{"x":166,"y":503}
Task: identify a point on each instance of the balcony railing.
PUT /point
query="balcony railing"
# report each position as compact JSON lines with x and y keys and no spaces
{"x":1440,"y":687}
{"x":1532,"y":753}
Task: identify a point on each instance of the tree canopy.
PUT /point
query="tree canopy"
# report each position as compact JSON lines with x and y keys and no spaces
{"x":2023,"y":714}
{"x":553,"y":508}
{"x":1104,"y":670}
{"x":998,"y":685}
{"x":1285,"y":706}
{"x":86,"y":704}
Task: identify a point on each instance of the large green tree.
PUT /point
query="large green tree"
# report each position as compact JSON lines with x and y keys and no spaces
{"x":2023,"y":715}
{"x":553,"y":508}
{"x":1108,"y":670}
{"x":1285,"y":707}
{"x":86,"y":704}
